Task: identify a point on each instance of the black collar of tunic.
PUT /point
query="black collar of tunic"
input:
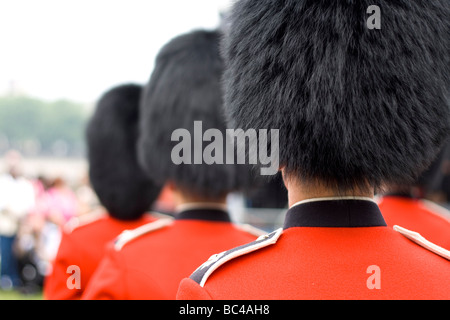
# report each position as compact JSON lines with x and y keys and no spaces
{"x":335,"y":214}
{"x":204,"y":214}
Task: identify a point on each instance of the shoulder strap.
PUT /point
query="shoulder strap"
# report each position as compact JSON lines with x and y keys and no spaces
{"x":202,"y":274}
{"x":129,"y":235}
{"x":421,"y":241}
{"x":83,"y":220}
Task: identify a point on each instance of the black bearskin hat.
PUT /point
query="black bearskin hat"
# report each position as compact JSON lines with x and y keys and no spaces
{"x":185,"y":87}
{"x":120,"y":184}
{"x":355,"y":106}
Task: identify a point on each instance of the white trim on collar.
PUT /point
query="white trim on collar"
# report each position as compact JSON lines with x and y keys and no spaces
{"x":201,"y":205}
{"x":333,"y":199}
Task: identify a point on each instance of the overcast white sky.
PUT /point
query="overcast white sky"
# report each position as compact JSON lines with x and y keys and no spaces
{"x":77,"y":49}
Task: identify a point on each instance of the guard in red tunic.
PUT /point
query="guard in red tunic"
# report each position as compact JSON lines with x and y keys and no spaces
{"x":406,"y":206}
{"x":356,"y":107}
{"x":121,"y":186}
{"x":150,"y":262}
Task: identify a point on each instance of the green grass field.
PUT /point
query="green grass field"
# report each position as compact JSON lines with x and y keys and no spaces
{"x":15,"y":295}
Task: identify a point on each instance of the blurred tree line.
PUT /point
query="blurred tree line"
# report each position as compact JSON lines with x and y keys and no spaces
{"x":39,"y":128}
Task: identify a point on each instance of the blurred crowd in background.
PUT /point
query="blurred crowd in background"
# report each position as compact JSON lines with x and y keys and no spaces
{"x":32,"y":212}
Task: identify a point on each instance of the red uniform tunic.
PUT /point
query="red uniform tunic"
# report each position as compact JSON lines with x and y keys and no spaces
{"x":327,"y":250}
{"x":83,"y":245}
{"x":428,"y":219}
{"x":152,"y":264}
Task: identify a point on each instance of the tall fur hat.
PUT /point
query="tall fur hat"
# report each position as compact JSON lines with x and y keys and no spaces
{"x":185,"y":86}
{"x":115,"y":174}
{"x":354,"y":106}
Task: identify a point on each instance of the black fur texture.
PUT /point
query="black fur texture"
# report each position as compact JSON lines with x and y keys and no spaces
{"x":185,"y":86}
{"x":354,"y":106}
{"x":120,"y":184}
